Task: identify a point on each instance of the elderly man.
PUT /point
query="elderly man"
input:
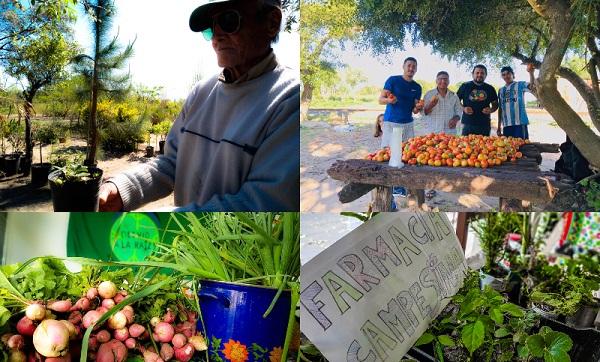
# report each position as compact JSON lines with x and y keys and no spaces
{"x":235,"y":144}
{"x":442,"y":107}
{"x":479,"y":100}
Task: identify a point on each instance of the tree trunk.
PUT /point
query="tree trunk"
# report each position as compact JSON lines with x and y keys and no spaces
{"x":93,"y":124}
{"x":305,"y":99}
{"x":561,"y":22}
{"x":28,"y":107}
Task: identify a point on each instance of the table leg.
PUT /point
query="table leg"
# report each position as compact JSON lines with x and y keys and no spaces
{"x":419,"y":196}
{"x":383,"y":199}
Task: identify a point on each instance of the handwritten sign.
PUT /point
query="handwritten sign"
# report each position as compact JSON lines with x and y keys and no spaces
{"x":373,"y":293}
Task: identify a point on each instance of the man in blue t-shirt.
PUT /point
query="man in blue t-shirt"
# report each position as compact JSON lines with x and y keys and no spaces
{"x":401,"y":95}
{"x":479,"y":101}
{"x":512,"y":115}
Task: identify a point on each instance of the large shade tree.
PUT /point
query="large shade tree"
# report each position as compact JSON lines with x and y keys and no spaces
{"x":324,"y":24}
{"x":542,"y":32}
{"x":101,"y":66}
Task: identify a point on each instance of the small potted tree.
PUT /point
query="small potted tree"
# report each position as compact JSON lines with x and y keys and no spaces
{"x":149,"y":148}
{"x":491,"y":236}
{"x":12,"y":161}
{"x":162,"y":129}
{"x":39,"y":171}
{"x":74,"y":186}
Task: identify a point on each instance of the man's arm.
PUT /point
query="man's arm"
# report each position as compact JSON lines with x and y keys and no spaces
{"x":384,"y":97}
{"x":273,"y":183}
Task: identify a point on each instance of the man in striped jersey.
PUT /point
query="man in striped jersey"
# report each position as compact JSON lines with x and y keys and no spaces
{"x":512,"y":115}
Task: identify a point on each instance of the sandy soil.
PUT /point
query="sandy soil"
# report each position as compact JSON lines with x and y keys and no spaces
{"x":323,"y":142}
{"x":16,"y":193}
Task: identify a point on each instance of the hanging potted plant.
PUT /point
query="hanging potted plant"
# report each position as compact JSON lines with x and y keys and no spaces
{"x":248,"y":304}
{"x":74,"y":186}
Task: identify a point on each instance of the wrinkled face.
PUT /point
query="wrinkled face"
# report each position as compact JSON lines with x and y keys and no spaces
{"x":410,"y":68}
{"x":507,"y":76}
{"x":479,"y":75}
{"x":238,"y":37}
{"x":442,"y":81}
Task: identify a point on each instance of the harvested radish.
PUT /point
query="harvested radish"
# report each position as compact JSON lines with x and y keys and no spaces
{"x":16,"y":342}
{"x":35,"y":312}
{"x":113,"y":351}
{"x":118,"y":298}
{"x":166,"y":352}
{"x":93,"y":343}
{"x":121,"y":334}
{"x":164,"y":331}
{"x":71,"y":328}
{"x":33,"y":356}
{"x":107,"y":289}
{"x":154,"y":321}
{"x":103,"y":336}
{"x":5,"y":337}
{"x":75,"y":317}
{"x":198,"y":342}
{"x":169,"y":317}
{"x":130,"y":343}
{"x":61,"y":306}
{"x":91,"y":317}
{"x":92,"y":293}
{"x":150,"y":356}
{"x":82,"y":304}
{"x":65,"y":358}
{"x":102,"y":310}
{"x":117,"y":321}
{"x":136,"y":330}
{"x":179,"y":340}
{"x":26,"y":327}
{"x":185,"y":353}
{"x":128,"y":311}
{"x":187,"y":328}
{"x":51,"y":338}
{"x":108,"y":303}
{"x":17,"y":356}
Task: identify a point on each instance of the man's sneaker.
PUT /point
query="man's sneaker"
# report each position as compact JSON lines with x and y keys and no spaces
{"x":399,"y":191}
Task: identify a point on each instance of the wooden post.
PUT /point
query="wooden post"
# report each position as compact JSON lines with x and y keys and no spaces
{"x":462,"y":229}
{"x":383,"y":199}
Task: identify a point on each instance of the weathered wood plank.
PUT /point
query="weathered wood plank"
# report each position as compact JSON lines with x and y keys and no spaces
{"x":383,"y":199}
{"x":353,"y":191}
{"x":519,"y":184}
{"x":546,"y":147}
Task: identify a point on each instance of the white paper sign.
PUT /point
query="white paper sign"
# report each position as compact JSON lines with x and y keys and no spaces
{"x":373,"y":293}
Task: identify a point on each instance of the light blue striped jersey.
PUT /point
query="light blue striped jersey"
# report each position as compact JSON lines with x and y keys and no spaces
{"x":512,"y":102}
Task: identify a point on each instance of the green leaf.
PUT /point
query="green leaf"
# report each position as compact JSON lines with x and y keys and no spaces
{"x":523,"y":351}
{"x":426,"y":338}
{"x":559,"y":342}
{"x":4,"y":316}
{"x":496,"y":315}
{"x":536,"y":345}
{"x":512,"y":309}
{"x":472,"y":335}
{"x":558,"y":357}
{"x":446,"y":340}
{"x":502,"y":332}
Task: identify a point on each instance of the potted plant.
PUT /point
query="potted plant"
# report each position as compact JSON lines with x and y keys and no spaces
{"x":12,"y":161}
{"x":161,"y":129}
{"x":74,"y":186}
{"x":39,"y":172}
{"x":250,"y":267}
{"x":149,"y":148}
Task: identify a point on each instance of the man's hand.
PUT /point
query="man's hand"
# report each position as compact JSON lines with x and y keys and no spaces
{"x":433,"y":102}
{"x":109,"y":197}
{"x":453,"y":122}
{"x":468,"y":110}
{"x":486,"y":110}
{"x":392,"y":98}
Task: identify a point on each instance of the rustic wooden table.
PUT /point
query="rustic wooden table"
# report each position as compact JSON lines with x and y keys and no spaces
{"x":517,"y":184}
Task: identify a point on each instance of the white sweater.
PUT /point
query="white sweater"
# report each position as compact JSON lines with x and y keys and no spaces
{"x":209,"y":173}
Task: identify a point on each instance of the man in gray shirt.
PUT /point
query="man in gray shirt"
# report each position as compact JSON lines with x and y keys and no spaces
{"x":235,"y":144}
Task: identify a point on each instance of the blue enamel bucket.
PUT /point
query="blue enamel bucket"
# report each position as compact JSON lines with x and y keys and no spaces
{"x":235,"y":328}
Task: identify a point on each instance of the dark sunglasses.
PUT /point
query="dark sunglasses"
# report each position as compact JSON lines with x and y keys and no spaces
{"x":229,"y":21}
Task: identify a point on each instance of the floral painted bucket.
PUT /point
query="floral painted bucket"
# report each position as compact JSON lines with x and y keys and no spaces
{"x":234,"y":325}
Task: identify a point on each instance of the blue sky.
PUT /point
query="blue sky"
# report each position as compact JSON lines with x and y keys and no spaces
{"x":167,"y":52}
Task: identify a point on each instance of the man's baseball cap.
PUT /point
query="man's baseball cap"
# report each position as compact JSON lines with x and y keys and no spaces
{"x":200,"y":19}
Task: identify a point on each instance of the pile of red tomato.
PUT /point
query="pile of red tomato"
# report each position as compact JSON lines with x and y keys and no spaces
{"x":456,"y":151}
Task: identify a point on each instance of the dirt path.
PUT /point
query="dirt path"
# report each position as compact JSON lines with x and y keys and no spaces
{"x":321,"y":143}
{"x":16,"y":193}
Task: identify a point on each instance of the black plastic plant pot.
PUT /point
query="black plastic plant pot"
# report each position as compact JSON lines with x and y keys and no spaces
{"x":583,"y":318}
{"x":2,"y":158}
{"x":544,"y":311}
{"x":161,"y":147}
{"x":11,"y":164}
{"x":586,"y":342}
{"x":498,"y":284}
{"x":75,"y":195}
{"x":25,"y":166}
{"x":39,"y":174}
{"x":149,"y":151}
